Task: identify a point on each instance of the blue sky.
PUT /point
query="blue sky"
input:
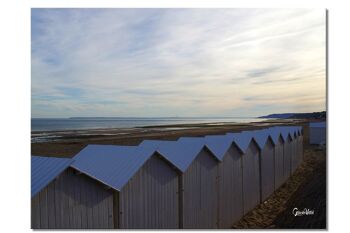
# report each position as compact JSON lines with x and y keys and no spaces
{"x":177,"y":62}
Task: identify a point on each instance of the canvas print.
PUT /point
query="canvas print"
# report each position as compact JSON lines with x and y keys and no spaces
{"x":178,"y":118}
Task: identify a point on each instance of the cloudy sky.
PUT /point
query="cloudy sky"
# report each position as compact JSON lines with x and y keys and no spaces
{"x":177,"y":62}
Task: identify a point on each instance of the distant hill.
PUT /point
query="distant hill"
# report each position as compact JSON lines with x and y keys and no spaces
{"x":313,"y":115}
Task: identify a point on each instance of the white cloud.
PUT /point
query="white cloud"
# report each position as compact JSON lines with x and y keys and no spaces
{"x":177,"y":62}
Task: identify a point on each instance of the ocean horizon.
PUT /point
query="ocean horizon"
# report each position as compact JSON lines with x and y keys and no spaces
{"x":81,"y":123}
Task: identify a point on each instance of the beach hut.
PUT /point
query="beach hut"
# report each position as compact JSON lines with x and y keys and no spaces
{"x":250,"y":169}
{"x":279,"y":155}
{"x":230,"y":179}
{"x":143,"y":185}
{"x":198,"y":180}
{"x":63,"y":199}
{"x":318,"y":132}
{"x":267,"y":163}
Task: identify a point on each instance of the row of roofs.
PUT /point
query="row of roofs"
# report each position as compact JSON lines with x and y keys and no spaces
{"x":115,"y":165}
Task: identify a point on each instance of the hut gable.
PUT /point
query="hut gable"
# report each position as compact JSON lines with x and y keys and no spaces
{"x":44,"y":170}
{"x":200,"y":192}
{"x":111,"y":165}
{"x":70,"y":200}
{"x":261,"y":137}
{"x":275,"y":135}
{"x":218,"y":144}
{"x":150,"y":199}
{"x":285,"y":132}
{"x":242,"y":140}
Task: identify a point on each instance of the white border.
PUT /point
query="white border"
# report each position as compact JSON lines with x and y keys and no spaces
{"x":15,"y":98}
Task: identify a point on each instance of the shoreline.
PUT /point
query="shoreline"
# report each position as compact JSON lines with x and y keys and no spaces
{"x":54,"y":135}
{"x":204,"y":124}
{"x":161,"y":125}
{"x":69,"y":142}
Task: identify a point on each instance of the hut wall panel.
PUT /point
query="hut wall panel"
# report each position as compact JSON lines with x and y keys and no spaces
{"x":58,"y":203}
{"x":299,"y":153}
{"x":251,"y":178}
{"x":83,"y":198}
{"x":63,"y":193}
{"x":301,"y":148}
{"x":200,"y":193}
{"x":317,"y":135}
{"x":150,"y":199}
{"x":35,"y":212}
{"x":191,"y":195}
{"x":230,"y":200}
{"x":44,"y":223}
{"x":51,"y":205}
{"x":66,"y":203}
{"x":287,"y":159}
{"x":296,"y":152}
{"x":294,"y":157}
{"x":279,"y":173}
{"x":267,"y":170}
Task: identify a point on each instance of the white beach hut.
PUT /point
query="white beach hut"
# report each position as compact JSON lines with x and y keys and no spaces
{"x":230,"y":178}
{"x":318,"y":132}
{"x":198,"y":180}
{"x":250,"y":169}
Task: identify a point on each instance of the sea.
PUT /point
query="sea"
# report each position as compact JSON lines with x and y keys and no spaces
{"x":83,"y":123}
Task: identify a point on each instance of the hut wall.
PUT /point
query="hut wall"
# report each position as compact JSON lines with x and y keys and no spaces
{"x":150,"y":199}
{"x":251,"y":178}
{"x":317,"y":135}
{"x":267,"y":158}
{"x":300,"y":149}
{"x":294,"y":157}
{"x":279,"y":163}
{"x":200,"y":193}
{"x":230,"y":197}
{"x":72,"y":202}
{"x":287,"y":158}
